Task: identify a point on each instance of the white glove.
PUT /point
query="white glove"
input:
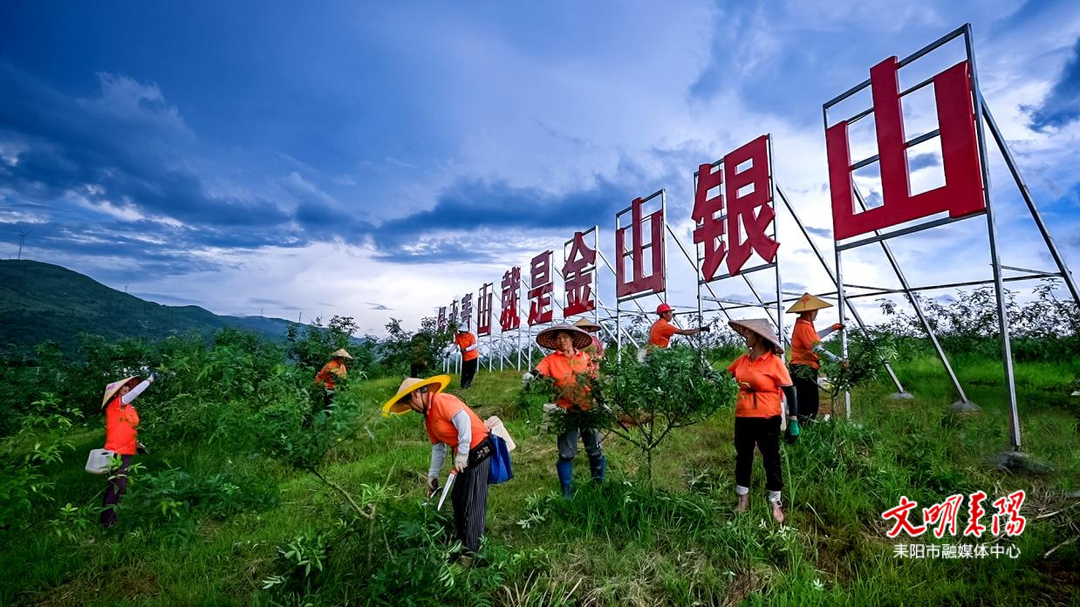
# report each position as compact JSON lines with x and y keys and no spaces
{"x":526,"y":379}
{"x":461,"y":461}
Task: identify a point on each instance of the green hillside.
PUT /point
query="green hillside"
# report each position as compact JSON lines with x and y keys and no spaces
{"x":41,"y":302}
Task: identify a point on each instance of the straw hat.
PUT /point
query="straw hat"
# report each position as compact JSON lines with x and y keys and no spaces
{"x":394,"y":406}
{"x":114,"y":387}
{"x":759,"y":326}
{"x":808,"y":303}
{"x":341,"y":354}
{"x":587,"y":325}
{"x":546,"y":338}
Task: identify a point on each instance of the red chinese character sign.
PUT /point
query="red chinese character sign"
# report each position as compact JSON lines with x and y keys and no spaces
{"x":466,"y":311}
{"x":483,"y":310}
{"x":753,"y":210}
{"x":540,"y":283}
{"x":642,"y":281}
{"x":454,"y":312}
{"x":961,"y":195}
{"x":442,"y":319}
{"x":509,"y":319}
{"x":578,"y":273}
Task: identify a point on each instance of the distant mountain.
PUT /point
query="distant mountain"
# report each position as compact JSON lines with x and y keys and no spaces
{"x":40,"y":302}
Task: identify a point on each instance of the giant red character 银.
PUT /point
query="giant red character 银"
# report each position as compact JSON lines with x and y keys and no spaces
{"x":752,"y":210}
{"x":962,"y":193}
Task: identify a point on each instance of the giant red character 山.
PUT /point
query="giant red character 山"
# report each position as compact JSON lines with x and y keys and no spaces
{"x":641,"y":282}
{"x":961,"y":195}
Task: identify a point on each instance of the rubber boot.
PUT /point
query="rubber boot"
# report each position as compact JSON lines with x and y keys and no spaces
{"x":598,"y":466}
{"x":566,"y":474}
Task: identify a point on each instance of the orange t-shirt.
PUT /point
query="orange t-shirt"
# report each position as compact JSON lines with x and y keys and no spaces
{"x":440,"y":429}
{"x":661,"y":332}
{"x":120,"y":423}
{"x":803,"y":340}
{"x":565,"y":371}
{"x":464,"y":341}
{"x":330,"y":371}
{"x":765,"y":374}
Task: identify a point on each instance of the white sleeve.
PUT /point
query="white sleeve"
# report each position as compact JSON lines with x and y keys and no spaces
{"x":471,"y":348}
{"x":134,"y":392}
{"x":827,"y":331}
{"x":463,"y":424}
{"x":438,"y":456}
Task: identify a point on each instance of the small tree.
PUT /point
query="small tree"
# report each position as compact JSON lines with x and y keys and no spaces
{"x":310,"y":345}
{"x":643,"y":402}
{"x":866,"y":357}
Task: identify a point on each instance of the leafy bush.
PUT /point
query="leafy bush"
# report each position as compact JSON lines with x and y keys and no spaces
{"x":644,"y":402}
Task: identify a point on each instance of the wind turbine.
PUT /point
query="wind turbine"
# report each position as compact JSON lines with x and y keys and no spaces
{"x":22,"y":238}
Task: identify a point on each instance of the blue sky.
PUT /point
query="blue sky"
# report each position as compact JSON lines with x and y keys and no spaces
{"x":378,"y":160}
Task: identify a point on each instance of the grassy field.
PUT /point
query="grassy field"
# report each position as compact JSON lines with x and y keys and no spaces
{"x":679,"y":542}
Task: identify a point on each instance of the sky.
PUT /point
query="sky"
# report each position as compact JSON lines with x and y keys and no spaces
{"x":378,"y":160}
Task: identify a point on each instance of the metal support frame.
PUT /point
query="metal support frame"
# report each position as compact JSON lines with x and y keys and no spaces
{"x":906,"y":287}
{"x":821,"y":258}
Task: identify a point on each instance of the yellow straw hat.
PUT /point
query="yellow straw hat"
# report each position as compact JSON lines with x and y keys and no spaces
{"x":114,"y":387}
{"x":808,"y":303}
{"x":394,"y":406}
{"x":342,"y":353}
{"x":587,"y":325}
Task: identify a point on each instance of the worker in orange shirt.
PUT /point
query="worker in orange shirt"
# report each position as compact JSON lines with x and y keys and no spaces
{"x":470,"y":355}
{"x":331,"y":373}
{"x":571,"y":368}
{"x":452,"y":425}
{"x":763,"y":382}
{"x":121,"y":437}
{"x":663,"y":330}
{"x":806,"y":352}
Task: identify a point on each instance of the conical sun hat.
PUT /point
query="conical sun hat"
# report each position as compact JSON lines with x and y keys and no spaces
{"x":394,"y":406}
{"x":114,"y":387}
{"x":546,"y":338}
{"x":760,"y":326}
{"x":587,"y":325}
{"x":342,"y":353}
{"x":808,"y":303}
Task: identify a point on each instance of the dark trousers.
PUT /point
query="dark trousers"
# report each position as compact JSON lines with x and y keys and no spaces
{"x":469,"y":497}
{"x":806,"y":391}
{"x":568,"y":444}
{"x":115,"y":490}
{"x":765,"y":433}
{"x":468,"y":371}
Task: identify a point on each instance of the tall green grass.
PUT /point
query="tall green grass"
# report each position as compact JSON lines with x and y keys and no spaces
{"x":679,"y":543}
